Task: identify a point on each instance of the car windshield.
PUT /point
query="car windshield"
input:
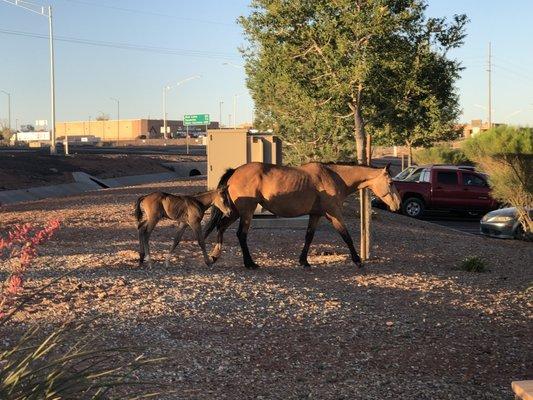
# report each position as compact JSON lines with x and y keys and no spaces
{"x":405,"y":173}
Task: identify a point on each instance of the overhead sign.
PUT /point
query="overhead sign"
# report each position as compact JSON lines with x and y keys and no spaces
{"x":196,"y":119}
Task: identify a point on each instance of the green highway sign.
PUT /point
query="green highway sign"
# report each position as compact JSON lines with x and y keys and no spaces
{"x":196,"y":119}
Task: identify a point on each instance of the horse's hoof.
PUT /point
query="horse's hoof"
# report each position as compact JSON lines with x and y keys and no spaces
{"x":213,"y":259}
{"x":252,"y":266}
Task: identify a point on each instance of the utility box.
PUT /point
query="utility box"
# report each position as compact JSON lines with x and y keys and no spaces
{"x":231,"y":148}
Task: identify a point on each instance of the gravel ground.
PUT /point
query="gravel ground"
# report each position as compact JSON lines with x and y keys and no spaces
{"x":411,"y":327}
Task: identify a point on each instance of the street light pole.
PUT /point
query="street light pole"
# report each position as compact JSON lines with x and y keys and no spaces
{"x":118,"y":118}
{"x":52,"y":85}
{"x":165,"y":90}
{"x":40,"y":10}
{"x":8,"y":108}
{"x":220,"y":113}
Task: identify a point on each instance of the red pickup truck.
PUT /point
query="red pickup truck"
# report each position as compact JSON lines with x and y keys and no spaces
{"x":443,"y":187}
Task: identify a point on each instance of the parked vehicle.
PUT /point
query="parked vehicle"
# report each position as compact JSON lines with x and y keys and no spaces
{"x":443,"y":187}
{"x":503,"y":223}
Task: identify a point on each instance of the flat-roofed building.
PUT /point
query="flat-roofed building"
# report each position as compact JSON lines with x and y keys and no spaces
{"x":126,"y":129}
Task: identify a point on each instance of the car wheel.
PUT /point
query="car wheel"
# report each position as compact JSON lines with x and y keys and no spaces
{"x":413,"y":207}
{"x":520,"y":234}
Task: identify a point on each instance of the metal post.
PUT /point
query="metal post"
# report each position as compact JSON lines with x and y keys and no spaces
{"x":234,"y":111}
{"x":187,"y":138}
{"x":165,"y":112}
{"x":52,"y":85}
{"x":220,"y":114}
{"x":368,"y":216}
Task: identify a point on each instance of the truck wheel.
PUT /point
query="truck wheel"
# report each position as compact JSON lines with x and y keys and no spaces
{"x":413,"y":207}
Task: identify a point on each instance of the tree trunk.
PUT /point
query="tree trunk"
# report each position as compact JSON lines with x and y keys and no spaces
{"x":410,"y":155}
{"x":360,"y":135}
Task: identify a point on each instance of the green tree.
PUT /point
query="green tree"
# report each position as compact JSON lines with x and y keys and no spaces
{"x":505,"y":153}
{"x":324,"y":71}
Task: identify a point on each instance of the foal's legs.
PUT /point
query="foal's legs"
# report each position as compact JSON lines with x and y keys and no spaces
{"x":338,"y":224}
{"x":146,"y":231}
{"x":197,"y":229}
{"x":177,"y":238}
{"x":224,"y":224}
{"x":242,"y":234}
{"x":309,"y":234}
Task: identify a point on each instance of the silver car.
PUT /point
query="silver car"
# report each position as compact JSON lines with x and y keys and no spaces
{"x":503,"y":223}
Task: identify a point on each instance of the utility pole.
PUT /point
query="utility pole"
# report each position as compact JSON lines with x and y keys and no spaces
{"x":220,"y":113}
{"x":41,"y":10}
{"x":8,"y":108}
{"x":235,"y":111}
{"x":489,"y":70}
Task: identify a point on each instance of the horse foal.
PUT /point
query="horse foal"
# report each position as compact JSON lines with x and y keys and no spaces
{"x":186,"y":210}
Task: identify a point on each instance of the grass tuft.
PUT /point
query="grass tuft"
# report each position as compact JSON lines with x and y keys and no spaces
{"x":473,"y":264}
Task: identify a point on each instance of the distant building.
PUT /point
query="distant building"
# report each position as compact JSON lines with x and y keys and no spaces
{"x":474,"y":127}
{"x":127,"y":129}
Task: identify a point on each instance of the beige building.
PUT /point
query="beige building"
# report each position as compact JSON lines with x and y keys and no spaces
{"x":125,"y":129}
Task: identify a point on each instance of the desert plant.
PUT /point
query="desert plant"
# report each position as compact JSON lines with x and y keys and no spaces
{"x":17,"y":251}
{"x":68,"y":365}
{"x":473,"y":264}
{"x":505,"y":153}
{"x":443,"y":154}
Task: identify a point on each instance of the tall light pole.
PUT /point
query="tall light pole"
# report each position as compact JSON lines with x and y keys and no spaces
{"x":41,"y":10}
{"x":8,"y":108}
{"x":165,"y":90}
{"x":220,"y":113}
{"x":118,"y":117}
{"x":235,"y":97}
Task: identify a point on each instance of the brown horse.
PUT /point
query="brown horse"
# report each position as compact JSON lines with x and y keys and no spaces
{"x":186,"y":210}
{"x":313,"y":189}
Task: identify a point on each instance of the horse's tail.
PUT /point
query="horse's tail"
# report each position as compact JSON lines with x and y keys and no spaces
{"x":216,"y":214}
{"x":138,"y":210}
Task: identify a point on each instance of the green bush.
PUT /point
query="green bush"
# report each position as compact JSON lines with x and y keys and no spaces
{"x":473,"y":264}
{"x":505,"y":153}
{"x":442,"y":154}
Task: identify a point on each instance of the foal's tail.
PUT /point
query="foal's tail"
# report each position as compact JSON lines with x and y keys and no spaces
{"x":138,"y":210}
{"x":216,"y":214}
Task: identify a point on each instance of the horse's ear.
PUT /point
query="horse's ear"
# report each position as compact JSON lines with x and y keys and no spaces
{"x":387,"y":168}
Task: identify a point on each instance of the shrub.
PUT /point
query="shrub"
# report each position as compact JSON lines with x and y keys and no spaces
{"x":442,"y":154}
{"x":473,"y":264}
{"x":505,"y":153}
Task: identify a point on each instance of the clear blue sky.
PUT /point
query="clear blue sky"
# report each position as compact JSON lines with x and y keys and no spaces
{"x":201,"y":36}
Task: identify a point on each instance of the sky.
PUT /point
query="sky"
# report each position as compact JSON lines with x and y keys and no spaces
{"x":131,"y":49}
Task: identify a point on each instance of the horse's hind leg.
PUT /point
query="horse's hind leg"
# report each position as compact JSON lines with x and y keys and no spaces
{"x":149,"y":227}
{"x":177,"y":239}
{"x":309,"y":234}
{"x":339,"y":226}
{"x":224,"y":224}
{"x":141,"y":228}
{"x":242,"y":235}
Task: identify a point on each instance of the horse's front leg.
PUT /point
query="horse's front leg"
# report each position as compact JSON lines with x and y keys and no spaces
{"x":197,"y":229}
{"x":309,"y":234}
{"x":224,"y":224}
{"x":338,"y":223}
{"x":242,"y":235}
{"x":177,"y":239}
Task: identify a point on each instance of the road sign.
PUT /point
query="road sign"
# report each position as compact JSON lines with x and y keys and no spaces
{"x":196,"y":119}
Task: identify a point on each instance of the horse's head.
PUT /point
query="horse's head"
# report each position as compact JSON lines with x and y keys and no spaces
{"x":222,"y":201}
{"x":383,"y":187}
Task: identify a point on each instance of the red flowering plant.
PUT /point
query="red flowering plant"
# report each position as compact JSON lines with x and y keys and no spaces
{"x":18,"y":250}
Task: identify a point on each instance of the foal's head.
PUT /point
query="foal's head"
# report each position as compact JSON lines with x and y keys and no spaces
{"x":222,"y":200}
{"x":384,"y":188}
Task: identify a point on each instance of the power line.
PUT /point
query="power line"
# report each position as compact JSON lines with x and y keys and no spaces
{"x":510,"y":71}
{"x":127,"y":46}
{"x":154,"y":13}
